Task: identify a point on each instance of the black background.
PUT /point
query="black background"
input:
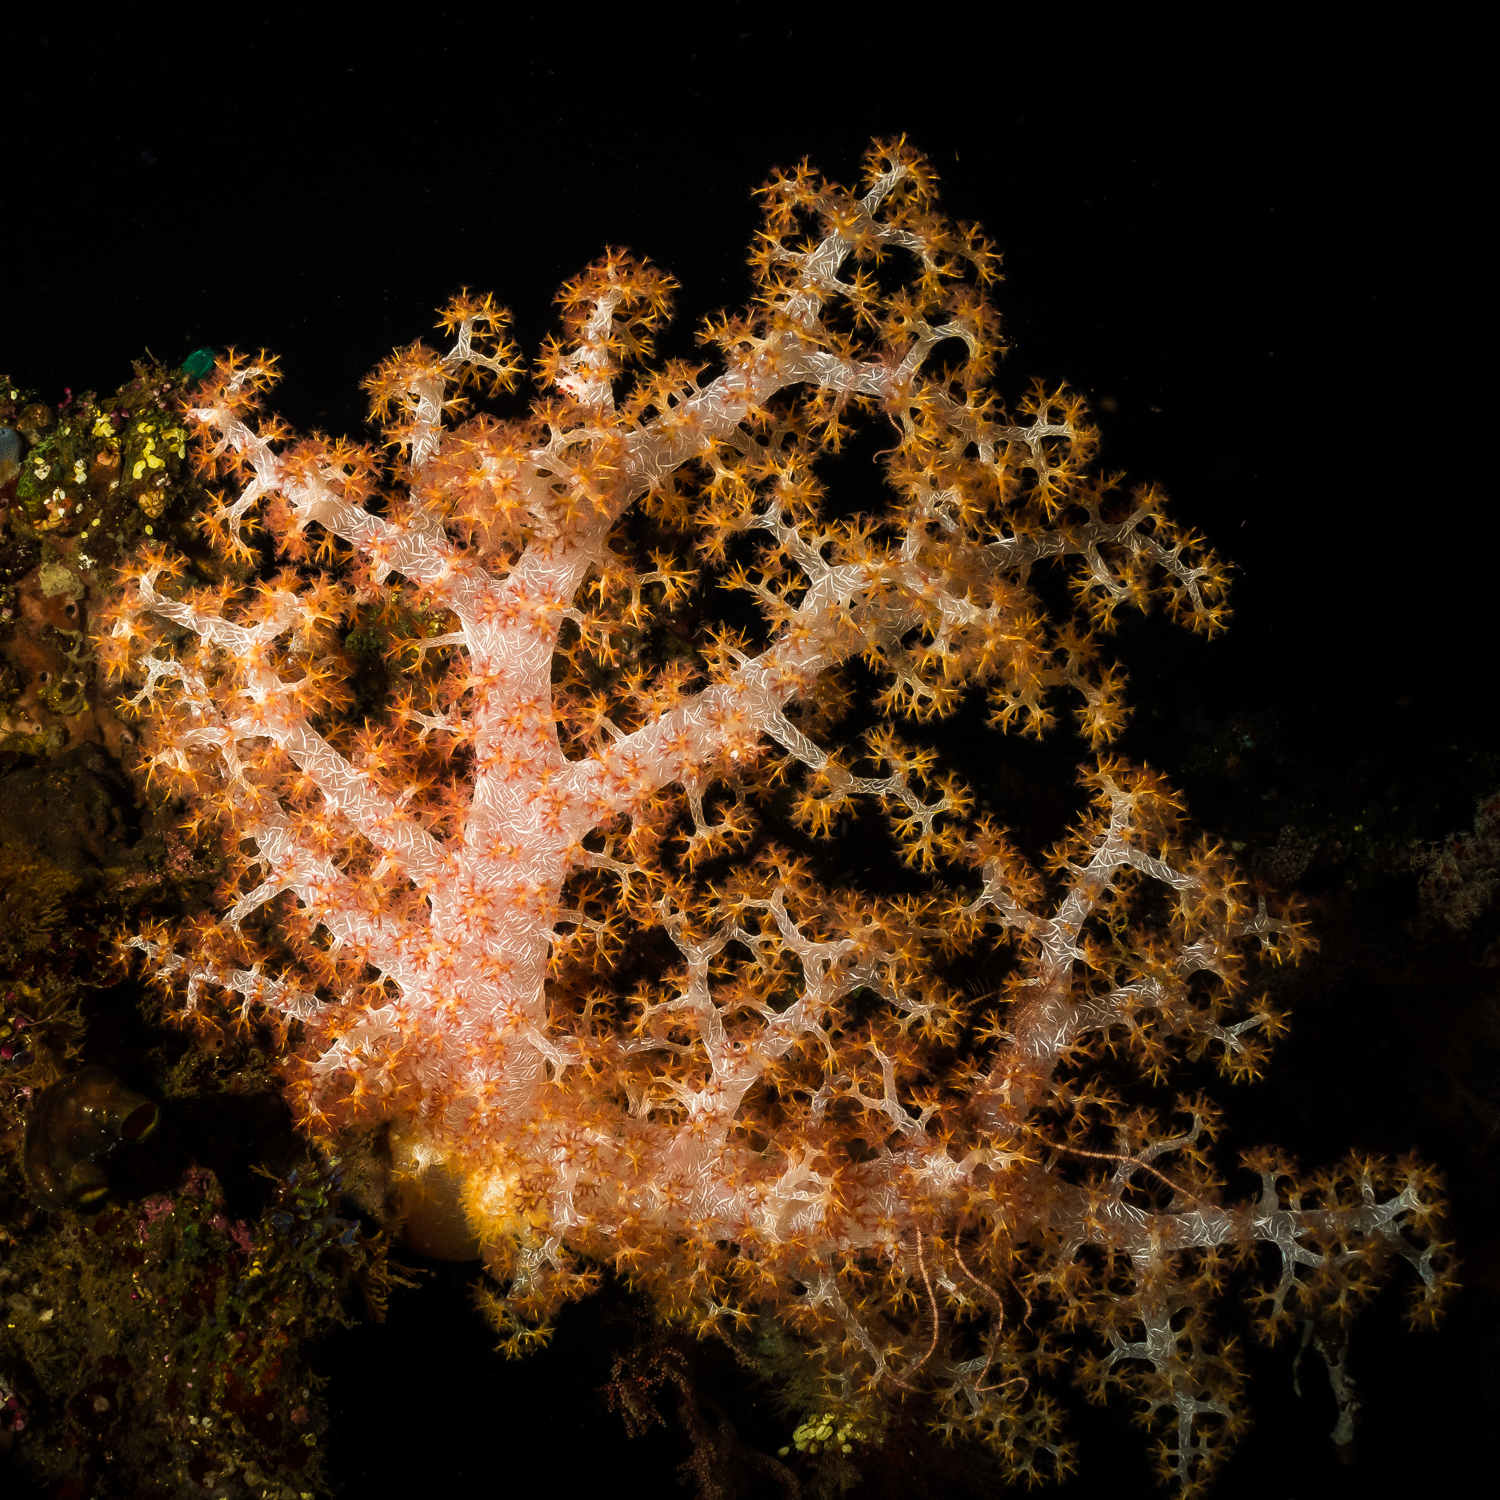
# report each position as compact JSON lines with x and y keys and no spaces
{"x":1255,"y":252}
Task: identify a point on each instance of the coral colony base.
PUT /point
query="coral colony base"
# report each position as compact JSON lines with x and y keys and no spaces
{"x":527,"y":908}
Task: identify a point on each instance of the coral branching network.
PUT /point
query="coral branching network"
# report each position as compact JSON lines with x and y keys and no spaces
{"x":548,"y":900}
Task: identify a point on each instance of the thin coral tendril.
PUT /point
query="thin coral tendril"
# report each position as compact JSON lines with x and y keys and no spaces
{"x":931,"y":1297}
{"x":989,"y":1356}
{"x":1133,"y":1161}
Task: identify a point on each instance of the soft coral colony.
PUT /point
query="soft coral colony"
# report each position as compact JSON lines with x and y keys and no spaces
{"x":530,"y":909}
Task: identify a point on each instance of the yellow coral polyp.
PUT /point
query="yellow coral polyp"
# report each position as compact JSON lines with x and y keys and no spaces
{"x":501,"y":1208}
